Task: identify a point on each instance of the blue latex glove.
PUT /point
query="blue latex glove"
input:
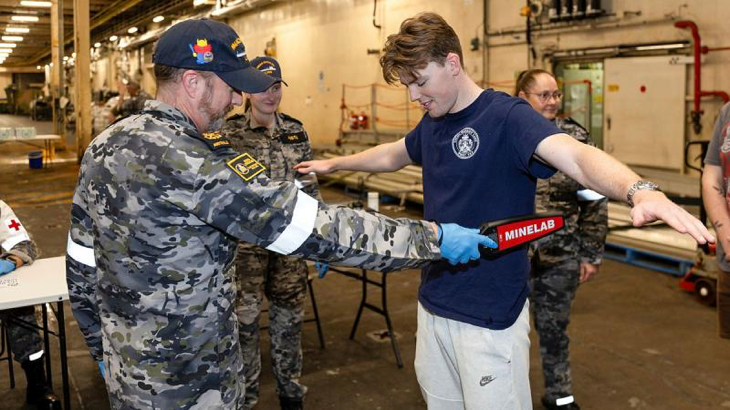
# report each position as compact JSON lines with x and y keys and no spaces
{"x":322,"y":267}
{"x":460,"y":245}
{"x":6,"y":266}
{"x":101,"y":368}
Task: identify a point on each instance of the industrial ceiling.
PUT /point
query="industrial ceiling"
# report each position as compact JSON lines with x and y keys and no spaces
{"x":107,"y":18}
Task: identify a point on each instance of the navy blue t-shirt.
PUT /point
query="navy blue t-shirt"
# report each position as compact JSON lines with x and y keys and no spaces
{"x":478,"y":166}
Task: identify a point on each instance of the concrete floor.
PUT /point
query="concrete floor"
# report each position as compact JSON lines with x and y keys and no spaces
{"x":638,"y":341}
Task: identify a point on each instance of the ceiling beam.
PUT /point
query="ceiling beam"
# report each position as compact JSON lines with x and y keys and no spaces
{"x":119,"y":6}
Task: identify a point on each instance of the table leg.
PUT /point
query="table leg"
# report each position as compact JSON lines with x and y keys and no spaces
{"x":47,"y":346}
{"x":363,"y":302}
{"x":384,"y":302}
{"x":64,"y":362}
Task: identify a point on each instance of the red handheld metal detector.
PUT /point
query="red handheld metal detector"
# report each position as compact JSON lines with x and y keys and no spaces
{"x":514,"y":232}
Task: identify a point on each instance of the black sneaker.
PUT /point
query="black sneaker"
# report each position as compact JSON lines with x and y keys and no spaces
{"x":552,"y":405}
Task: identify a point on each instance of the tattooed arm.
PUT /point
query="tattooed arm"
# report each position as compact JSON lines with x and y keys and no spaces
{"x":714,"y":197}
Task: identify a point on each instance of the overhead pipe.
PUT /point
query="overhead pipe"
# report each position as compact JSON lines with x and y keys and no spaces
{"x":696,"y":113}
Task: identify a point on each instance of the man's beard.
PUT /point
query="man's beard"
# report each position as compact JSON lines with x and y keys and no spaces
{"x":216,"y":120}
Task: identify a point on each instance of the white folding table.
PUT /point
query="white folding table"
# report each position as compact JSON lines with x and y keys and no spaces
{"x":42,"y":282}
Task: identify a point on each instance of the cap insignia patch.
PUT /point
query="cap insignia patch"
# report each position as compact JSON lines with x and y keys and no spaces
{"x":202,"y":51}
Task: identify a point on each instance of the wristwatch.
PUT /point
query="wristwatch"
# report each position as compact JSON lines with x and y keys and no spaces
{"x":640,"y":185}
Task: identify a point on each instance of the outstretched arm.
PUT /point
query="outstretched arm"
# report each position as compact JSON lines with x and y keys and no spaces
{"x":382,"y":158}
{"x":601,"y":172}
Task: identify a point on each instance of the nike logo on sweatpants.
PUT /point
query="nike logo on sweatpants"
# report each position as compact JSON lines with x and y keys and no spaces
{"x":486,"y":380}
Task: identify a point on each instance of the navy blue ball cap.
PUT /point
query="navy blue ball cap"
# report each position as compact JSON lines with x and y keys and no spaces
{"x":270,"y":66}
{"x":209,"y":45}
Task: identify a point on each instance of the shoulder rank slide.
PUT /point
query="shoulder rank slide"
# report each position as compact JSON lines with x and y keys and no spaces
{"x":214,"y":140}
{"x":246,"y":166}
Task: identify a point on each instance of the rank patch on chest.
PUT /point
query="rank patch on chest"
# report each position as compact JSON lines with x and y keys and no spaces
{"x":246,"y":166}
{"x":294,"y":138}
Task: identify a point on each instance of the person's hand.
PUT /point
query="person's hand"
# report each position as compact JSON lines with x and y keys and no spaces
{"x":587,"y":270}
{"x":101,"y":368}
{"x":650,"y":206}
{"x":322,"y":268}
{"x":319,"y":166}
{"x":6,"y":266}
{"x":460,"y":245}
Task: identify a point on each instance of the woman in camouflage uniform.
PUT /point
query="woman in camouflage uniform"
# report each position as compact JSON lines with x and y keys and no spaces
{"x":569,"y":257}
{"x":279,"y":142}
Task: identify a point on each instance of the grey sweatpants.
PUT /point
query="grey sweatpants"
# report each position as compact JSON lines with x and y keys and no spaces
{"x":462,"y":366}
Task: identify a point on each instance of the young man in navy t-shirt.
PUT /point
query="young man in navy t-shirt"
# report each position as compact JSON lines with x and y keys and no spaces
{"x":482,"y":152}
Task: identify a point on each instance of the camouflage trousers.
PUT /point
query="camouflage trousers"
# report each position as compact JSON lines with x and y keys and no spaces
{"x":723,"y":303}
{"x":552,"y":291}
{"x":23,"y":341}
{"x":284,"y":282}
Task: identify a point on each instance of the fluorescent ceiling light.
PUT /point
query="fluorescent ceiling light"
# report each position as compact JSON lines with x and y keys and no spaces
{"x":31,"y":19}
{"x":97,"y":45}
{"x":158,"y":19}
{"x":8,"y":45}
{"x":31,"y":3}
{"x":65,"y":58}
{"x":113,"y":38}
{"x":660,"y":47}
{"x":6,"y":50}
{"x":12,"y":38}
{"x":37,"y":67}
{"x":23,"y":30}
{"x":132,"y":30}
{"x":73,"y":55}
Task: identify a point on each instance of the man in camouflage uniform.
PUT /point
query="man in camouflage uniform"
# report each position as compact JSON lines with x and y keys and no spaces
{"x":19,"y":249}
{"x":135,"y":102}
{"x":155,"y":220}
{"x":566,"y":258}
{"x":279,"y":142}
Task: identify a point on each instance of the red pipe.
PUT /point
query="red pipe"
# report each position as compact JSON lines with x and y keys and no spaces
{"x":721,"y":94}
{"x":697,"y":43}
{"x":698,"y":93}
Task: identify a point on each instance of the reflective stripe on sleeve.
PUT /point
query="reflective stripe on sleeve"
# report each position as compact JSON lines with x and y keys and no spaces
{"x":564,"y":400}
{"x":302,"y":223}
{"x":14,"y":239}
{"x":36,"y":355}
{"x":79,"y":253}
{"x":589,"y":195}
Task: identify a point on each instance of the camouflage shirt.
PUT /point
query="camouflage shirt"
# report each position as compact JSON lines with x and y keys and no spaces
{"x":14,"y":239}
{"x":155,"y":218}
{"x":585,"y":212}
{"x":278,"y":149}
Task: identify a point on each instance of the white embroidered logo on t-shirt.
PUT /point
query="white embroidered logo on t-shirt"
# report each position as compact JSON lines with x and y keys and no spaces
{"x":465,"y":143}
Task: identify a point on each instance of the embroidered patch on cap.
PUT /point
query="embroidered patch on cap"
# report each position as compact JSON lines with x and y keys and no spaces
{"x":202,"y":51}
{"x":246,"y":166}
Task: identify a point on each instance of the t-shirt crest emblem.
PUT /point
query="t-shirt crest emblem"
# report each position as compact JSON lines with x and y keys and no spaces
{"x":465,"y":143}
